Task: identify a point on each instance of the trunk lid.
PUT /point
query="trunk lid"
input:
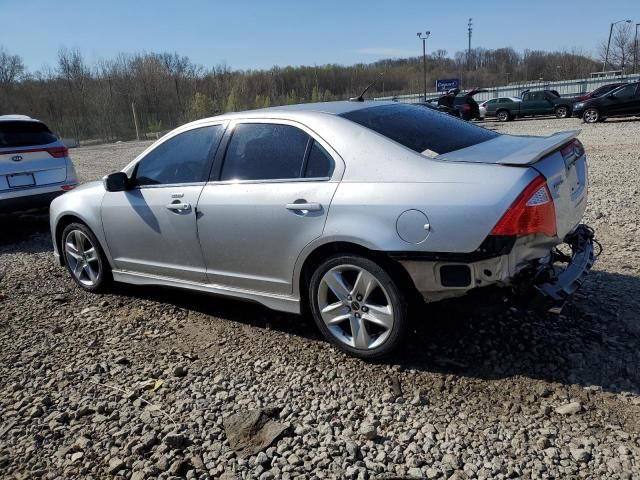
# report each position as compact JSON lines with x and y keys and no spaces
{"x":30,"y":155}
{"x":564,"y":168}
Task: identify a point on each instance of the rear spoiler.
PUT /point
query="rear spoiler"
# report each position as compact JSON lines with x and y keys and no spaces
{"x":516,"y":150}
{"x":534,"y":151}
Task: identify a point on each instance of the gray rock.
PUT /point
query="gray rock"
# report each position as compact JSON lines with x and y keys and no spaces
{"x":580,"y":455}
{"x":115,"y":465}
{"x":569,"y":408}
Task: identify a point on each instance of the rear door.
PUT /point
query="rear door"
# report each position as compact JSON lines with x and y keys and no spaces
{"x":624,"y":101}
{"x":536,"y":103}
{"x":268,"y":199}
{"x":30,"y":155}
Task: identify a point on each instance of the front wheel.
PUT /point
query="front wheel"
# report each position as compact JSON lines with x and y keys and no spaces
{"x":358,"y":306}
{"x":562,"y":112}
{"x":591,"y":115}
{"x":84,"y":258}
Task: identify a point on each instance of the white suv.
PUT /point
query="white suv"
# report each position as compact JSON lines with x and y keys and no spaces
{"x":34,"y":165}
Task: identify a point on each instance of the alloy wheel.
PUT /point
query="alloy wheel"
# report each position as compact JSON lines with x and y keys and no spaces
{"x":591,"y":115}
{"x":82,"y":258}
{"x":355,"y":307}
{"x":562,"y":112}
{"x":503,"y":116}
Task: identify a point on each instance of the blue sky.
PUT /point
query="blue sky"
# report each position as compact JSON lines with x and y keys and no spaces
{"x":258,"y":34}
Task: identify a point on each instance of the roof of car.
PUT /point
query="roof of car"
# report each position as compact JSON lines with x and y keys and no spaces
{"x":334,"y":108}
{"x":13,"y":118}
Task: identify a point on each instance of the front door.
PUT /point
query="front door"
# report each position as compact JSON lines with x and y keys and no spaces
{"x":269,"y":201}
{"x":151,"y":228}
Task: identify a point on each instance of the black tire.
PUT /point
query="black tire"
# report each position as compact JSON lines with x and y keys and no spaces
{"x":390,"y":293}
{"x":98,"y":264}
{"x":562,"y":111}
{"x":591,"y":115}
{"x":503,"y":115}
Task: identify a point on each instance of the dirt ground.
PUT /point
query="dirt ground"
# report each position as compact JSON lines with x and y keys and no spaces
{"x":484,"y":389}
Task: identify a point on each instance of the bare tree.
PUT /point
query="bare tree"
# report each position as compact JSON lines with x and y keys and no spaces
{"x":621,"y":49}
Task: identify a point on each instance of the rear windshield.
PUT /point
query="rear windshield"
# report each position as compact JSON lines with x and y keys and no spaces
{"x":420,"y":129}
{"x":24,"y":134}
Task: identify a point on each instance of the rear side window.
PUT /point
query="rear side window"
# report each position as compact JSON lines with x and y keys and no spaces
{"x":263,"y":151}
{"x":420,"y":129}
{"x":181,"y":159}
{"x":319,"y":163}
{"x":24,"y":134}
{"x":627,"y":91}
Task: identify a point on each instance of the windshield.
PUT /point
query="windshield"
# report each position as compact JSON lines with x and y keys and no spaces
{"x":420,"y":129}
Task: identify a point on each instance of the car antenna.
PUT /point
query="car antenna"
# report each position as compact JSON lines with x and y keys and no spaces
{"x":360,"y":98}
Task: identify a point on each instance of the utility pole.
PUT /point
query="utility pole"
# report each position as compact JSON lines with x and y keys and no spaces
{"x":606,"y":57}
{"x":635,"y":49}
{"x":424,"y":59}
{"x":470,"y":30}
{"x":135,"y":120}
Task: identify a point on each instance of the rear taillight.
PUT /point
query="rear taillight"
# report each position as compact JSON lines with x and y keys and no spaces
{"x":532,"y":212}
{"x":573,"y":148}
{"x":66,"y":188}
{"x":58,"y":152}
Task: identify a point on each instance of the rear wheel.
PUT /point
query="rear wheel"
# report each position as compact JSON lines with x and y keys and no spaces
{"x":358,"y":306}
{"x":562,"y":111}
{"x":591,"y":115}
{"x":503,"y":116}
{"x":84,"y":258}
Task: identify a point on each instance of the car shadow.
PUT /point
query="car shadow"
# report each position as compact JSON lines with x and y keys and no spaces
{"x":25,"y":232}
{"x":487,"y":334}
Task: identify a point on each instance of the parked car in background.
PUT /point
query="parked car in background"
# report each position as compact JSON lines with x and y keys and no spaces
{"x":621,"y":102}
{"x":598,"y":92}
{"x":323,"y":208}
{"x":466,"y":106}
{"x":34,"y":164}
{"x":490,"y":106}
{"x":482,"y":109}
{"x":531,"y":104}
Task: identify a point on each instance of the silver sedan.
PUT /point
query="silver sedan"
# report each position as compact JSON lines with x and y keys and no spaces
{"x":348,"y":210}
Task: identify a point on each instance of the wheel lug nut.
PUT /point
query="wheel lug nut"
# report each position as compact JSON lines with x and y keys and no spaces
{"x":365,"y":309}
{"x":348,"y":297}
{"x":359,"y":297}
{"x":357,"y":315}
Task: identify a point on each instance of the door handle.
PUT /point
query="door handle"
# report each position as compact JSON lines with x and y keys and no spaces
{"x":310,"y":207}
{"x":179,"y":207}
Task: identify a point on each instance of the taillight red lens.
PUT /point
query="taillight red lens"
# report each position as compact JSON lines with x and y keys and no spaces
{"x":58,"y":152}
{"x":66,"y":188}
{"x":532,"y":212}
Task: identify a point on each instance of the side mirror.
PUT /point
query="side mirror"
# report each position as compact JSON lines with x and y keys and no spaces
{"x":116,"y":182}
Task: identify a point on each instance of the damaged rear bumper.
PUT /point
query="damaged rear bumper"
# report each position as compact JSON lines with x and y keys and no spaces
{"x":554,"y":282}
{"x":532,"y":266}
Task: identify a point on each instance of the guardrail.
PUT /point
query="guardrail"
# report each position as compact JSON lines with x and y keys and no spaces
{"x":564,"y":88}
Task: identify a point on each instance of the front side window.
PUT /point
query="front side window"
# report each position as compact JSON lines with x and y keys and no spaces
{"x":182,"y":159}
{"x":263,"y":151}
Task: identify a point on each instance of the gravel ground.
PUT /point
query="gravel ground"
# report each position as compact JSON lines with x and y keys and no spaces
{"x":485,"y":388}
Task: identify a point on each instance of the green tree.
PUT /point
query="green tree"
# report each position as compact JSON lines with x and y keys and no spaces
{"x":231,"y":104}
{"x":201,"y":106}
{"x":315,"y":94}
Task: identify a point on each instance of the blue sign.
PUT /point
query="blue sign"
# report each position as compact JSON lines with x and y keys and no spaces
{"x":447,"y":84}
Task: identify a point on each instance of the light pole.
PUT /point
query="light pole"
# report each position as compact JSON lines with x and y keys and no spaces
{"x":470,"y":30}
{"x":635,"y":49}
{"x":606,"y":57}
{"x":424,"y":59}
